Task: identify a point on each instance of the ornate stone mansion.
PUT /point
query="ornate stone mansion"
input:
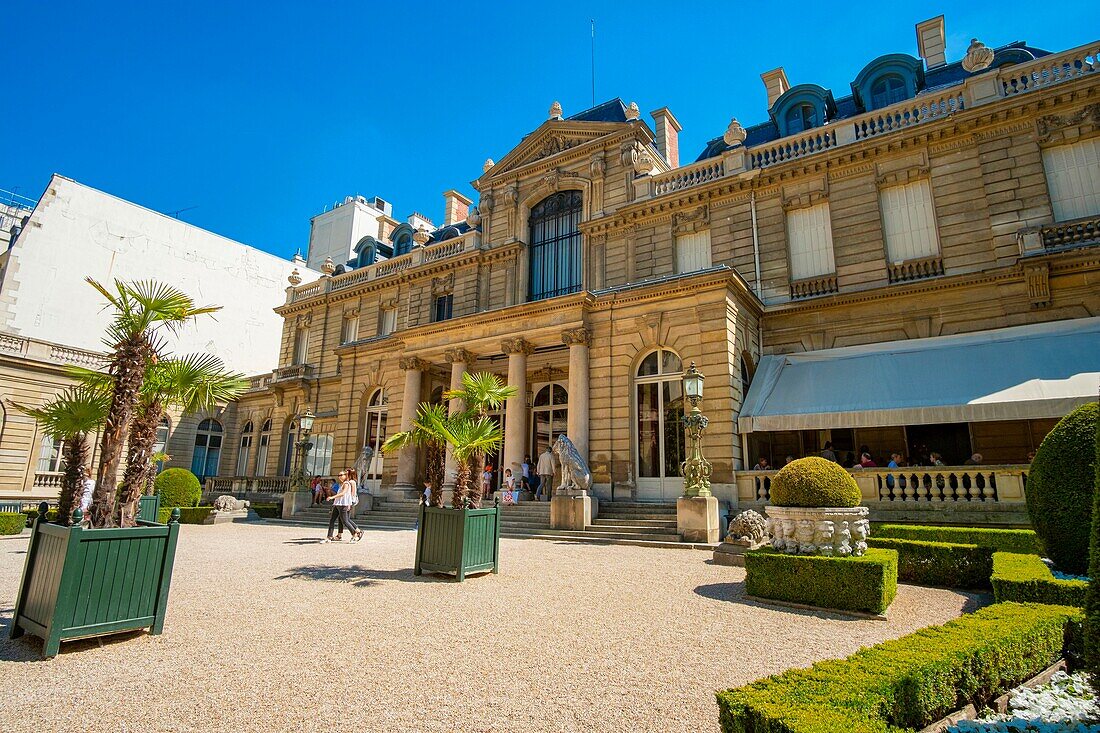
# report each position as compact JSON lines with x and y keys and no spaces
{"x":907,"y":265}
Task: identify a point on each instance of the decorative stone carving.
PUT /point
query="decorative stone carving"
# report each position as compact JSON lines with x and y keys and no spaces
{"x":644,"y":164}
{"x":748,"y":527}
{"x":458,"y":354}
{"x":421,"y":235}
{"x":489,"y":163}
{"x":302,"y":320}
{"x":735,"y":134}
{"x":226,"y":503}
{"x":486,"y":202}
{"x":511,"y":195}
{"x":1038,"y":284}
{"x":576,"y":336}
{"x":328,"y":266}
{"x":575,"y":476}
{"x":413,"y":363}
{"x":473,"y":218}
{"x":443,"y":285}
{"x":597,"y":166}
{"x":295,"y":278}
{"x":1047,"y":125}
{"x":517,"y":345}
{"x":389,"y":303}
{"x":555,"y":110}
{"x":685,"y":222}
{"x":555,"y":144}
{"x":978,"y":56}
{"x":632,"y":112}
{"x":839,"y":531}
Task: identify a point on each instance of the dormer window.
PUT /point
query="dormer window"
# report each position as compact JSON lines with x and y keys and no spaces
{"x":403,"y":244}
{"x":803,"y":108}
{"x":801,"y":117}
{"x":888,"y":80}
{"x":888,"y":90}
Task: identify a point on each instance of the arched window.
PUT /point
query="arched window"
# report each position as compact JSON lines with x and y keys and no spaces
{"x":801,"y":117}
{"x":290,"y":449}
{"x":246,"y":448}
{"x":555,"y":246}
{"x":887,"y":90}
{"x":659,"y":392}
{"x":549,"y":417}
{"x":402,"y":244}
{"x":261,"y":450}
{"x":208,"y":449}
{"x":374,"y":433}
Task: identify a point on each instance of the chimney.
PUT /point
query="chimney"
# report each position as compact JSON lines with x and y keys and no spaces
{"x":931,"y":42}
{"x":775,"y":81}
{"x":455,"y":207}
{"x":668,"y":141}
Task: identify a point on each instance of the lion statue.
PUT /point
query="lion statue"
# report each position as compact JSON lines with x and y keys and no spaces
{"x":362,"y":463}
{"x":748,"y":526}
{"x":226,"y":503}
{"x":575,"y":475}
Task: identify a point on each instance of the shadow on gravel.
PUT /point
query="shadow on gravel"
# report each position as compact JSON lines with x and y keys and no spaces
{"x":735,"y":593}
{"x":28,"y":648}
{"x":355,"y":574}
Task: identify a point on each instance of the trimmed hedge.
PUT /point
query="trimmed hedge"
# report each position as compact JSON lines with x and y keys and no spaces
{"x":178,"y":487}
{"x":268,"y":511}
{"x":188,"y":514}
{"x":32,"y":514}
{"x":1092,"y":597}
{"x":1023,"y":541}
{"x":1027,"y":579}
{"x":907,"y":683}
{"x":1060,"y":486}
{"x":867,"y":583}
{"x":12,"y":522}
{"x":814,"y":482}
{"x":942,"y":564}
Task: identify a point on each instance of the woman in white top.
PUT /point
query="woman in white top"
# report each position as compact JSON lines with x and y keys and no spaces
{"x":342,"y":503}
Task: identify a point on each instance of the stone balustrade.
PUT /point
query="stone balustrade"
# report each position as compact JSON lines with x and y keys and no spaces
{"x":793,"y":146}
{"x":294,"y":371}
{"x":813,"y":286}
{"x":915,"y":269}
{"x":1048,"y":70}
{"x":921,"y":108}
{"x":47,"y":352}
{"x":48,"y":479}
{"x":688,"y":176}
{"x":248,"y":485}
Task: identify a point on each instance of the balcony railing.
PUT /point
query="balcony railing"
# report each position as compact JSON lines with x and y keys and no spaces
{"x":793,"y":146}
{"x":1048,"y":70}
{"x":294,"y":371}
{"x":47,"y":352}
{"x":906,"y":114}
{"x":48,"y":479}
{"x":915,"y":269}
{"x":688,"y":176}
{"x":249,"y":484}
{"x":813,"y":286}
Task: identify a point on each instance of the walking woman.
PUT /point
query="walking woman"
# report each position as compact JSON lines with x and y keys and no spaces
{"x":342,"y":503}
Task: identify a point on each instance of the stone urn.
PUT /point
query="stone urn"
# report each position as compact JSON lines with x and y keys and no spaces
{"x":830,"y":531}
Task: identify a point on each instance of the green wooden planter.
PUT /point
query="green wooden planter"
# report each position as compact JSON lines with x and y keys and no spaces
{"x":81,"y":582}
{"x":459,"y":541}
{"x":148,"y":506}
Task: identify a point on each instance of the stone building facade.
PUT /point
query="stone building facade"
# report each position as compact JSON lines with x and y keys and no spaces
{"x":935,"y":199}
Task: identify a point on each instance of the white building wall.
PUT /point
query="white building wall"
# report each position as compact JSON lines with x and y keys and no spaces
{"x":336,"y":232}
{"x":77,"y":231}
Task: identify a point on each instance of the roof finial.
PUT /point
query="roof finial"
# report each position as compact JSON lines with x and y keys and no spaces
{"x":735,"y":134}
{"x":489,"y":163}
{"x":555,"y":110}
{"x":978,"y":57}
{"x":632,"y":112}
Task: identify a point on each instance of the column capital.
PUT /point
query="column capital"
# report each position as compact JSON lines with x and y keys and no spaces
{"x":517,"y":345}
{"x":414,"y":363}
{"x":576,"y":336}
{"x":459,"y":354}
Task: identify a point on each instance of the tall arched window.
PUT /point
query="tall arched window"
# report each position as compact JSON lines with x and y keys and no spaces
{"x":290,"y":449}
{"x":555,"y":246}
{"x":801,"y":117}
{"x":261,"y":450}
{"x":246,"y":448}
{"x":549,"y":417}
{"x":208,"y":449}
{"x":374,"y":433}
{"x":659,"y":391}
{"x":402,"y":244}
{"x":164,"y":427}
{"x":887,"y":90}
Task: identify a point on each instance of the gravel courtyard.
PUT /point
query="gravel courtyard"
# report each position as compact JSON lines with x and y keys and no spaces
{"x":270,"y":631}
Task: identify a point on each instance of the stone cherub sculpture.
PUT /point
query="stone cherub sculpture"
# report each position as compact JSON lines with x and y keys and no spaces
{"x":748,"y":528}
{"x":575,"y":475}
{"x":226,"y":503}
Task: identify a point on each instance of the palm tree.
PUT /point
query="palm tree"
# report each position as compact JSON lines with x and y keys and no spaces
{"x":481,"y":392}
{"x":141,"y":309}
{"x":424,"y":432}
{"x":470,"y":437}
{"x":70,"y":417}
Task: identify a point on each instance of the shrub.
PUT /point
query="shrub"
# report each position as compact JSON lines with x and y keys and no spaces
{"x":12,"y":522}
{"x":814,"y":482}
{"x":268,"y":511}
{"x":866,"y":583}
{"x":941,"y":564}
{"x":1092,"y":597}
{"x":32,"y":514}
{"x":1027,"y":579}
{"x":188,"y":514}
{"x":178,"y":487}
{"x":908,"y":682}
{"x":1060,"y":488}
{"x":1023,"y":541}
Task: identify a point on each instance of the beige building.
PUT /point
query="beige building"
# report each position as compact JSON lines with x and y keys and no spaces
{"x":797,"y":262}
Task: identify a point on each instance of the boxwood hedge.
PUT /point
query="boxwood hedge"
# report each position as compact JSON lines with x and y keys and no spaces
{"x":1026,"y":578}
{"x":942,"y":564}
{"x":12,"y":522}
{"x":814,"y":482}
{"x":268,"y":511}
{"x":866,"y":583}
{"x":178,"y":487}
{"x":1001,"y":540}
{"x":188,"y":514}
{"x":907,"y":683}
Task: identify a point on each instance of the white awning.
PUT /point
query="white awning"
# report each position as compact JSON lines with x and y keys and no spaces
{"x":1018,"y":373}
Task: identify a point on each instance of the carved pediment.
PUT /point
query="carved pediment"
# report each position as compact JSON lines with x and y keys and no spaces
{"x":552,"y":138}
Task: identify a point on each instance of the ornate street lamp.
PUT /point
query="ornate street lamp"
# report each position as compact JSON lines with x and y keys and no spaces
{"x":303,"y":446}
{"x":696,"y":469}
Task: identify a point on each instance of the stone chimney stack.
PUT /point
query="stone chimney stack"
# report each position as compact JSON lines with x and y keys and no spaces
{"x":668,"y":135}
{"x":775,"y":81}
{"x":932,"y":42}
{"x":456,"y":207}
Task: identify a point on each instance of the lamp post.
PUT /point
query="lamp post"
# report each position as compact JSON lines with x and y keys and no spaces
{"x":696,"y":469}
{"x":303,"y":446}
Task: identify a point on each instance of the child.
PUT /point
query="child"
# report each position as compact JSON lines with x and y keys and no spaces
{"x":509,"y":487}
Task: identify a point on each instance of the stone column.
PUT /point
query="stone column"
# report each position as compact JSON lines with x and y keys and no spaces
{"x":577,"y":423}
{"x":515,"y":410}
{"x":406,"y":460}
{"x":460,"y":360}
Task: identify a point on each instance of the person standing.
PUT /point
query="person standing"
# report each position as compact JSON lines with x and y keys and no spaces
{"x":545,"y":470}
{"x":342,"y":502}
{"x":828,"y":453}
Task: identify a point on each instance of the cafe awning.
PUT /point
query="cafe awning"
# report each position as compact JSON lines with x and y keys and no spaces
{"x":1018,"y":373}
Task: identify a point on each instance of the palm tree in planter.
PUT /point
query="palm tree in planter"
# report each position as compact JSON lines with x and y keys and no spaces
{"x":71,"y":417}
{"x":423,"y":433}
{"x":142,"y":310}
{"x":481,"y":392}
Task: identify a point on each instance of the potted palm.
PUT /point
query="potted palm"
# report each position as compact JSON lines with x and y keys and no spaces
{"x":480,"y":393}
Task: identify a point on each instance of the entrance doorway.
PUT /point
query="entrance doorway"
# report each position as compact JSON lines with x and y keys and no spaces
{"x":659,"y":432}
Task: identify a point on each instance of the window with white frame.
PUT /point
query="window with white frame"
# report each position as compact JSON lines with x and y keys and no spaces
{"x":261,"y":450}
{"x":810,"y":238}
{"x":319,"y":459}
{"x":301,"y":345}
{"x":909,"y":221}
{"x":350,"y":330}
{"x":693,"y":251}
{"x":51,"y":454}
{"x":1073,"y":178}
{"x":246,"y":448}
{"x":388,"y":322}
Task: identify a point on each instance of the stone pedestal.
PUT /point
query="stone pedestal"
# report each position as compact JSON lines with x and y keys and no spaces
{"x":697,"y":518}
{"x":733,"y":552}
{"x":236,"y":515}
{"x":573,"y":511}
{"x":830,"y":531}
{"x":295,"y":501}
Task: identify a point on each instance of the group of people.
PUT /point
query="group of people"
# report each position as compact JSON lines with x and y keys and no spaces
{"x":536,"y":478}
{"x":344,"y":495}
{"x":923,"y":457}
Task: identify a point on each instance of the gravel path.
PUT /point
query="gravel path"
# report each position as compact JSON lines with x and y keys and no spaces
{"x":269,"y":631}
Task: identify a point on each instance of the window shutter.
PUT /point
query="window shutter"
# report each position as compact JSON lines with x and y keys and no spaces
{"x":909,"y":220}
{"x":693,"y":251}
{"x":1073,"y":177}
{"x":810,"y":234}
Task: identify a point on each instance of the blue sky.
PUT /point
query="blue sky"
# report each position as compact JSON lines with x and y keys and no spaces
{"x":260,"y":115}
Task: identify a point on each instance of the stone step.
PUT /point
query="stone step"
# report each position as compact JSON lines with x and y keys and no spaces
{"x":630,"y":529}
{"x":638,"y":517}
{"x":616,"y":521}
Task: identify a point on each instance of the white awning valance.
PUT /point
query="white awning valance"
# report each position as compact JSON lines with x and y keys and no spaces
{"x":1018,"y":373}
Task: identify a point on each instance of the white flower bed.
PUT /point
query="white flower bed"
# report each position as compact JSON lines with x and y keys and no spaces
{"x":1064,"y":705}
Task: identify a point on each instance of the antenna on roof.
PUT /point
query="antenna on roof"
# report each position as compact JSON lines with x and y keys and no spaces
{"x":593,"y":20}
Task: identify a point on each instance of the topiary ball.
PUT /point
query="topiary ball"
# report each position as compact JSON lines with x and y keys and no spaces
{"x":814,"y":482}
{"x":178,"y":487}
{"x":1060,"y":487}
